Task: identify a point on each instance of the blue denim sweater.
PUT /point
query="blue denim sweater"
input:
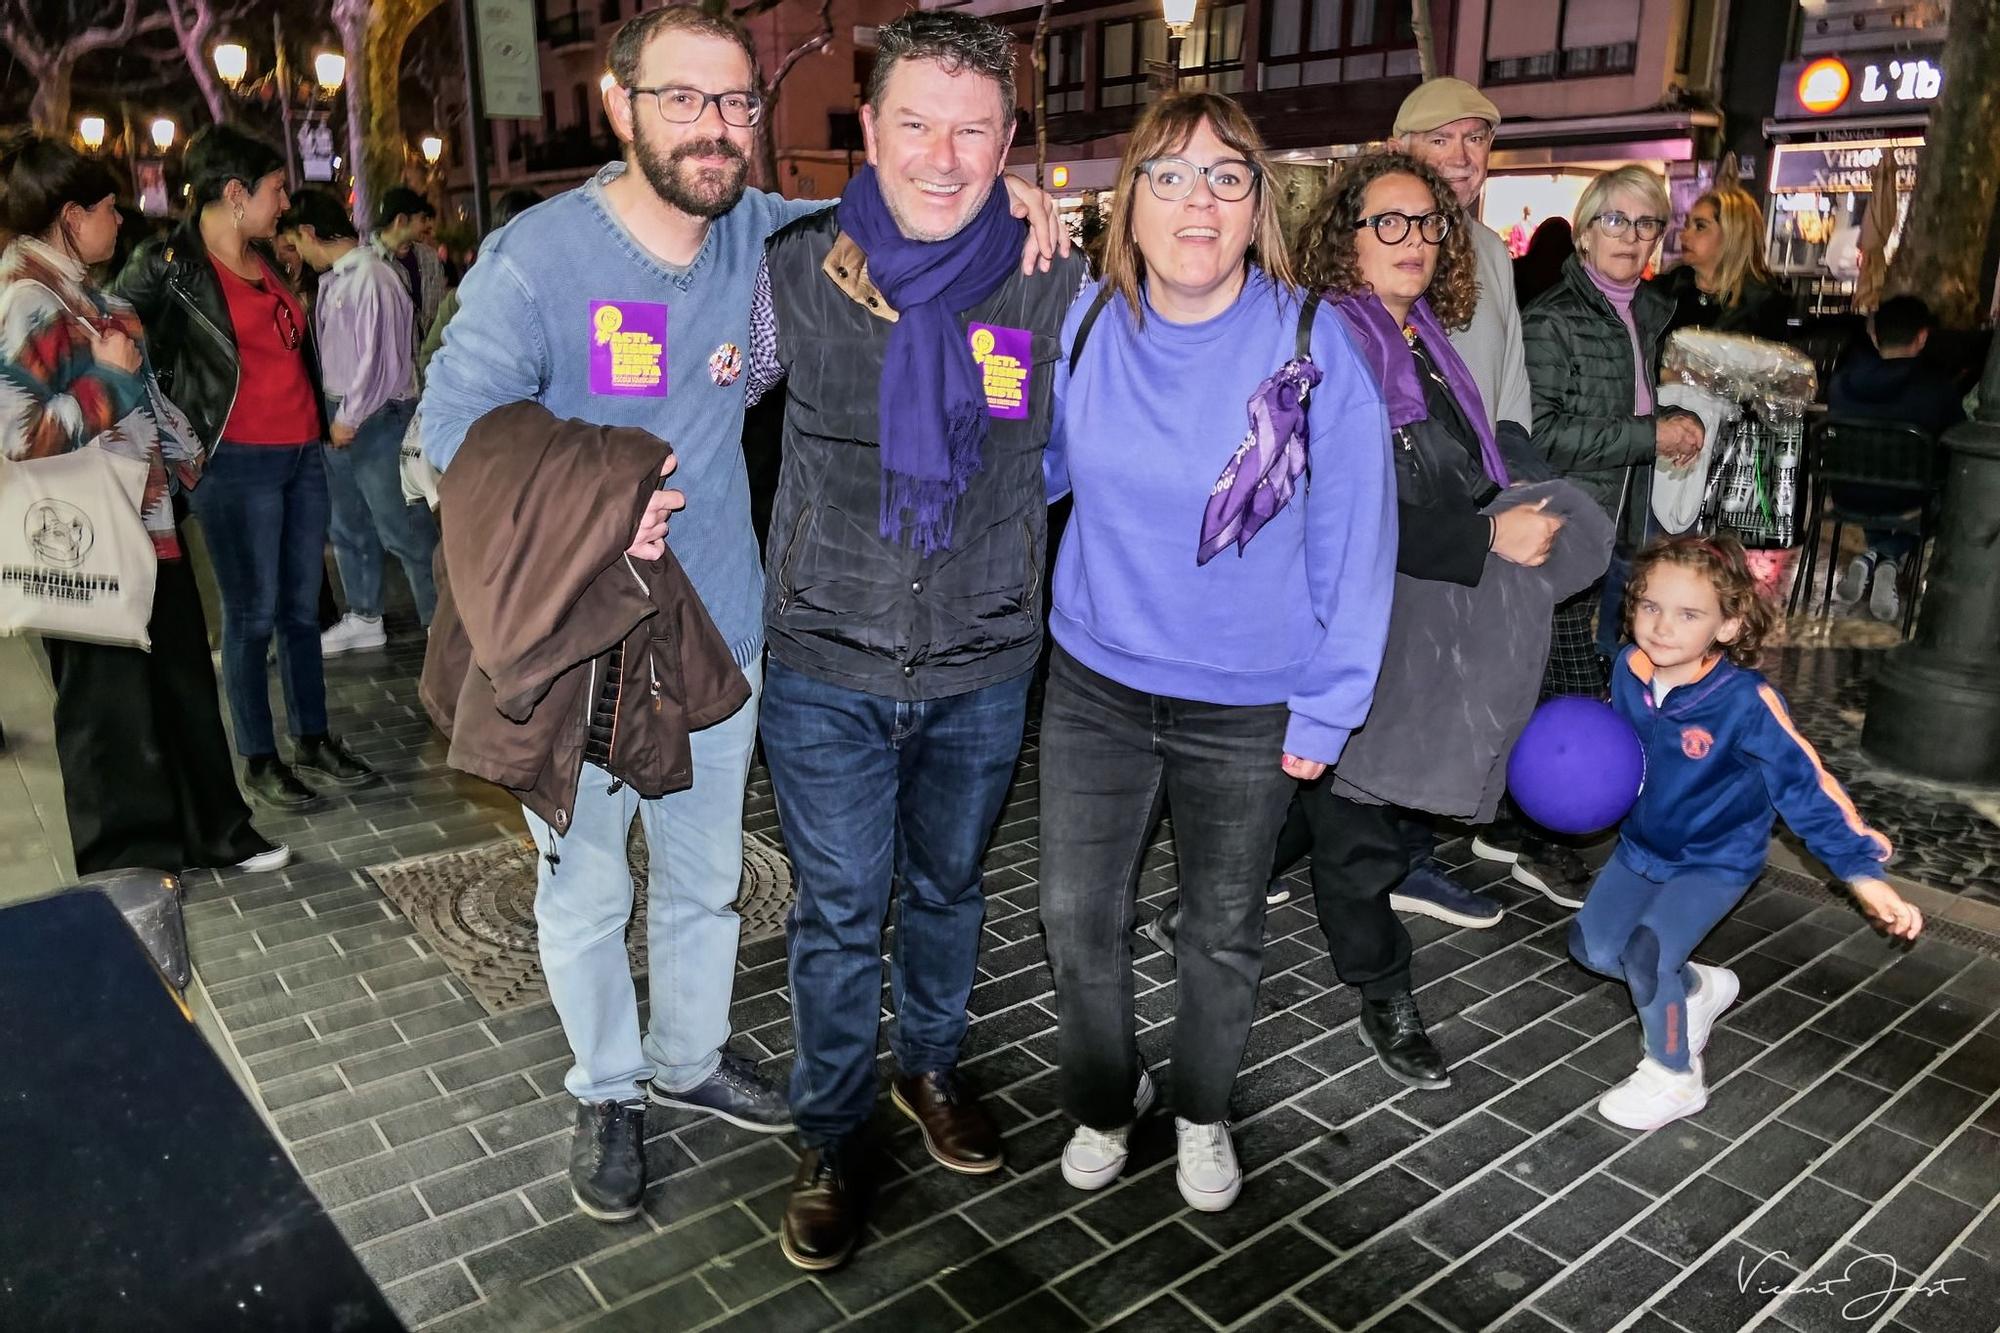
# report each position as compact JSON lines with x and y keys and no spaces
{"x":532,"y":324}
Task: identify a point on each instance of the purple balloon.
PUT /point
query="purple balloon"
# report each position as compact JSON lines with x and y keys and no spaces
{"x":1577,"y":768}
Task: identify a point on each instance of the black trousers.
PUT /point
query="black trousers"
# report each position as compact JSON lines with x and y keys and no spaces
{"x":147,"y":776}
{"x":1111,"y":756}
{"x":1360,"y":853}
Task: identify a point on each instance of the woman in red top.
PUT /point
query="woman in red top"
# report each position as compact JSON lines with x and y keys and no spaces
{"x":236,"y":354}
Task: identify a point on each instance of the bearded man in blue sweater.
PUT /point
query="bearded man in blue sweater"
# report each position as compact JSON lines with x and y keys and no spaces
{"x":626,"y":302}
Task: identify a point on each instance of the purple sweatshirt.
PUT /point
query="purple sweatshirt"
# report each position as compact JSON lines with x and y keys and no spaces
{"x":1140,"y":435}
{"x":362,"y":316}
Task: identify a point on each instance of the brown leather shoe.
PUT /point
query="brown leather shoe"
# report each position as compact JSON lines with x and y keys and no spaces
{"x":823,"y":1214}
{"x":957,"y":1130}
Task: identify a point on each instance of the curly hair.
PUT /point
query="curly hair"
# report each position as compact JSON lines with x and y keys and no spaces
{"x":1719,"y":560}
{"x":1327,"y":253}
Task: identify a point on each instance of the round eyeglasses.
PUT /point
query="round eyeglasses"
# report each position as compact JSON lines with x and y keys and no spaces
{"x":684,"y":106}
{"x":1173,"y":178}
{"x":1615,"y":223}
{"x":1394,"y":228}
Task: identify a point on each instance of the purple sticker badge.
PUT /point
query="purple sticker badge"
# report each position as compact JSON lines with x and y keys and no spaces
{"x":1005,"y":357}
{"x":628,"y":348}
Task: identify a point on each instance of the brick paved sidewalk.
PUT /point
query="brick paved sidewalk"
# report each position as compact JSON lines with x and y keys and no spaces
{"x":1853,"y":1110}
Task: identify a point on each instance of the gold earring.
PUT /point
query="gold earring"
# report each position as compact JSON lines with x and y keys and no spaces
{"x":239,"y":217}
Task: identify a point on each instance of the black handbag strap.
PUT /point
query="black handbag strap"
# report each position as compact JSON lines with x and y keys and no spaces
{"x":1301,"y":346}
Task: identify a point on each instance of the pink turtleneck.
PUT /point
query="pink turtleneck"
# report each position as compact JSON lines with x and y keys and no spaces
{"x":1620,"y":296}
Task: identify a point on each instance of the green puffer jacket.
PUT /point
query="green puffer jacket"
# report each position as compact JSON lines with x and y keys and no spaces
{"x":1580,"y":368}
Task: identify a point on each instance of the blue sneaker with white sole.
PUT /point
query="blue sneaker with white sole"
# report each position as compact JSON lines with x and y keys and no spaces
{"x":1428,"y":891}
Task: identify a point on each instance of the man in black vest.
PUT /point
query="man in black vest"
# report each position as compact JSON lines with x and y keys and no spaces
{"x":903,"y":599}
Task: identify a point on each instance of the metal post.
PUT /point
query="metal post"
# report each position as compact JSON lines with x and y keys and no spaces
{"x":1934,"y":709}
{"x":283,"y":79}
{"x":475,"y":118}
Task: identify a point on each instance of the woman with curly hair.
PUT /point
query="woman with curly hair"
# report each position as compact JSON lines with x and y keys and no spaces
{"x":1218,"y":617}
{"x":1479,"y":563}
{"x":1723,"y":759}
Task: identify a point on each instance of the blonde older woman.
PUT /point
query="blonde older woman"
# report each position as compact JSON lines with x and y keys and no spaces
{"x":1722,"y":282}
{"x":1219,"y":619}
{"x":1593,"y":344}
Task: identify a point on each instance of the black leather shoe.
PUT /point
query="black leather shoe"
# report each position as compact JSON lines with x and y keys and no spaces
{"x":328,"y":760}
{"x":959,"y":1133}
{"x":823,"y":1215}
{"x":267,"y":778}
{"x":607,"y":1163}
{"x":1394,"y":1030}
{"x":735,"y":1092}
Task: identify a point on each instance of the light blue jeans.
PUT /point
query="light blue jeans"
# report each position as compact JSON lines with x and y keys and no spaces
{"x":694,"y":841}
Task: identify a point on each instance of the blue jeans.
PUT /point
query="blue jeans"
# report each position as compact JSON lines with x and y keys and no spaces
{"x":371,"y":516}
{"x":583,"y":902}
{"x":1642,"y":931}
{"x":881,"y":799}
{"x":263,"y":509}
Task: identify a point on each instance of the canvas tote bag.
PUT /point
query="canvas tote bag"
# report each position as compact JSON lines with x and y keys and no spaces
{"x":75,"y":559}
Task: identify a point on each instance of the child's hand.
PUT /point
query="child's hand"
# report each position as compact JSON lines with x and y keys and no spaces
{"x":1888,"y":909}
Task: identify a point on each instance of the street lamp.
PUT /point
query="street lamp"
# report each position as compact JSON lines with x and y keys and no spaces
{"x":232,"y":62}
{"x":329,"y":68}
{"x":90,"y":129}
{"x":1179,"y":15}
{"x":432,"y":147}
{"x":164,"y":131}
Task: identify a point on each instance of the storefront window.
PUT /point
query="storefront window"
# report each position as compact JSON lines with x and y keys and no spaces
{"x":1820,"y":193}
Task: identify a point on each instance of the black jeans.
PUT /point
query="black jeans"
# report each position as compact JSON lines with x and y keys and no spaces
{"x":1295,"y":840}
{"x":147,"y":778}
{"x":1359,"y":854}
{"x":1110,"y":757}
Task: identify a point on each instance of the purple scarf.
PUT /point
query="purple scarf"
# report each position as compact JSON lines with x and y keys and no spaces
{"x":1387,"y":355}
{"x":1265,"y":469}
{"x":931,"y":402}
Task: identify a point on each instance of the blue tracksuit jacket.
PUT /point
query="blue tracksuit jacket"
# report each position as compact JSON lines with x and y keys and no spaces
{"x":1723,"y":758}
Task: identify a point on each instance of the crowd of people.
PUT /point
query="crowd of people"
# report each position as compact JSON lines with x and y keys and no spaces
{"x":1335,"y":502}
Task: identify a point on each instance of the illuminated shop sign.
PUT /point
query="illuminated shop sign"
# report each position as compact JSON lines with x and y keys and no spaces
{"x":1852,"y":86}
{"x":1832,"y":168}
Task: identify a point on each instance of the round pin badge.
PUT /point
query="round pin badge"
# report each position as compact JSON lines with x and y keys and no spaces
{"x":725,"y":363}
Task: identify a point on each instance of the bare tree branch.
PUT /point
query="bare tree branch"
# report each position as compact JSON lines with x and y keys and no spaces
{"x":819,"y":41}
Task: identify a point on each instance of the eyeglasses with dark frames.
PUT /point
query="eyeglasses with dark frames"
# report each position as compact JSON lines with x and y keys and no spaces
{"x":1173,"y":178}
{"x":1615,"y":223}
{"x":684,"y":106}
{"x":1392,"y":228}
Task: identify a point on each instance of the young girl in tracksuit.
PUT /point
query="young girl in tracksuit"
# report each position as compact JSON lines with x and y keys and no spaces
{"x":1722,"y":758}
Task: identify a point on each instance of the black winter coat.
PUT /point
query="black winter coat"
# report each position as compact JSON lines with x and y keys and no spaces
{"x":171,"y":283}
{"x":1763,"y":311}
{"x":1580,"y":369}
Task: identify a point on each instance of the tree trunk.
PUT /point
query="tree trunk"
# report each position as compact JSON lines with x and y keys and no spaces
{"x":1944,"y":239}
{"x":193,"y":21}
{"x":1420,"y":24}
{"x":351,"y":20}
{"x":382,"y":152}
{"x":1042,"y":92}
{"x":50,"y":109}
{"x":767,"y":149}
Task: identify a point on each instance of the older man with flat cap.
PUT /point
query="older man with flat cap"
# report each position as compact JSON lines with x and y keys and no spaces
{"x":1449,"y":125}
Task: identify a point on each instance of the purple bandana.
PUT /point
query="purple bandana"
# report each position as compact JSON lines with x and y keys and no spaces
{"x":1265,"y":469}
{"x":1386,"y":353}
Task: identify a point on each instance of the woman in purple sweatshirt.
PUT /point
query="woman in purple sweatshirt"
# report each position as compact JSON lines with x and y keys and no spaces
{"x":1221,"y":601}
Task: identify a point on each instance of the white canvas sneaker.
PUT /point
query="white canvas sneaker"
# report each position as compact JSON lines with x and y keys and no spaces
{"x":1654,"y":1096}
{"x":1096,"y":1157}
{"x":1719,"y":989}
{"x":350,"y":632}
{"x":277,"y":858}
{"x":1208,"y":1174}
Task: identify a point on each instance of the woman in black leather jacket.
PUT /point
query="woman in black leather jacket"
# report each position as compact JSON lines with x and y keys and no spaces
{"x":235,"y":353}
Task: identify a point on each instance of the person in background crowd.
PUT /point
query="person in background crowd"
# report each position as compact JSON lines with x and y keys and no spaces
{"x":902,"y":599}
{"x":1217,"y":687}
{"x":1541,"y":267}
{"x":370,"y":383}
{"x":505,"y":209}
{"x":406,"y":236}
{"x":1723,"y":282}
{"x":237,"y":356}
{"x":1594,"y":342}
{"x":147,"y":780}
{"x":1886,"y":379}
{"x":1448,"y":125}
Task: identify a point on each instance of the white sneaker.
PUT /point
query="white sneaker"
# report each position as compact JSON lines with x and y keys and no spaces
{"x":1208,"y":1174}
{"x":1719,"y":989}
{"x":351,"y":632}
{"x":276,"y":859}
{"x":1096,"y":1157}
{"x":1654,"y":1096}
{"x":1853,"y":584}
{"x":1886,"y":601}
